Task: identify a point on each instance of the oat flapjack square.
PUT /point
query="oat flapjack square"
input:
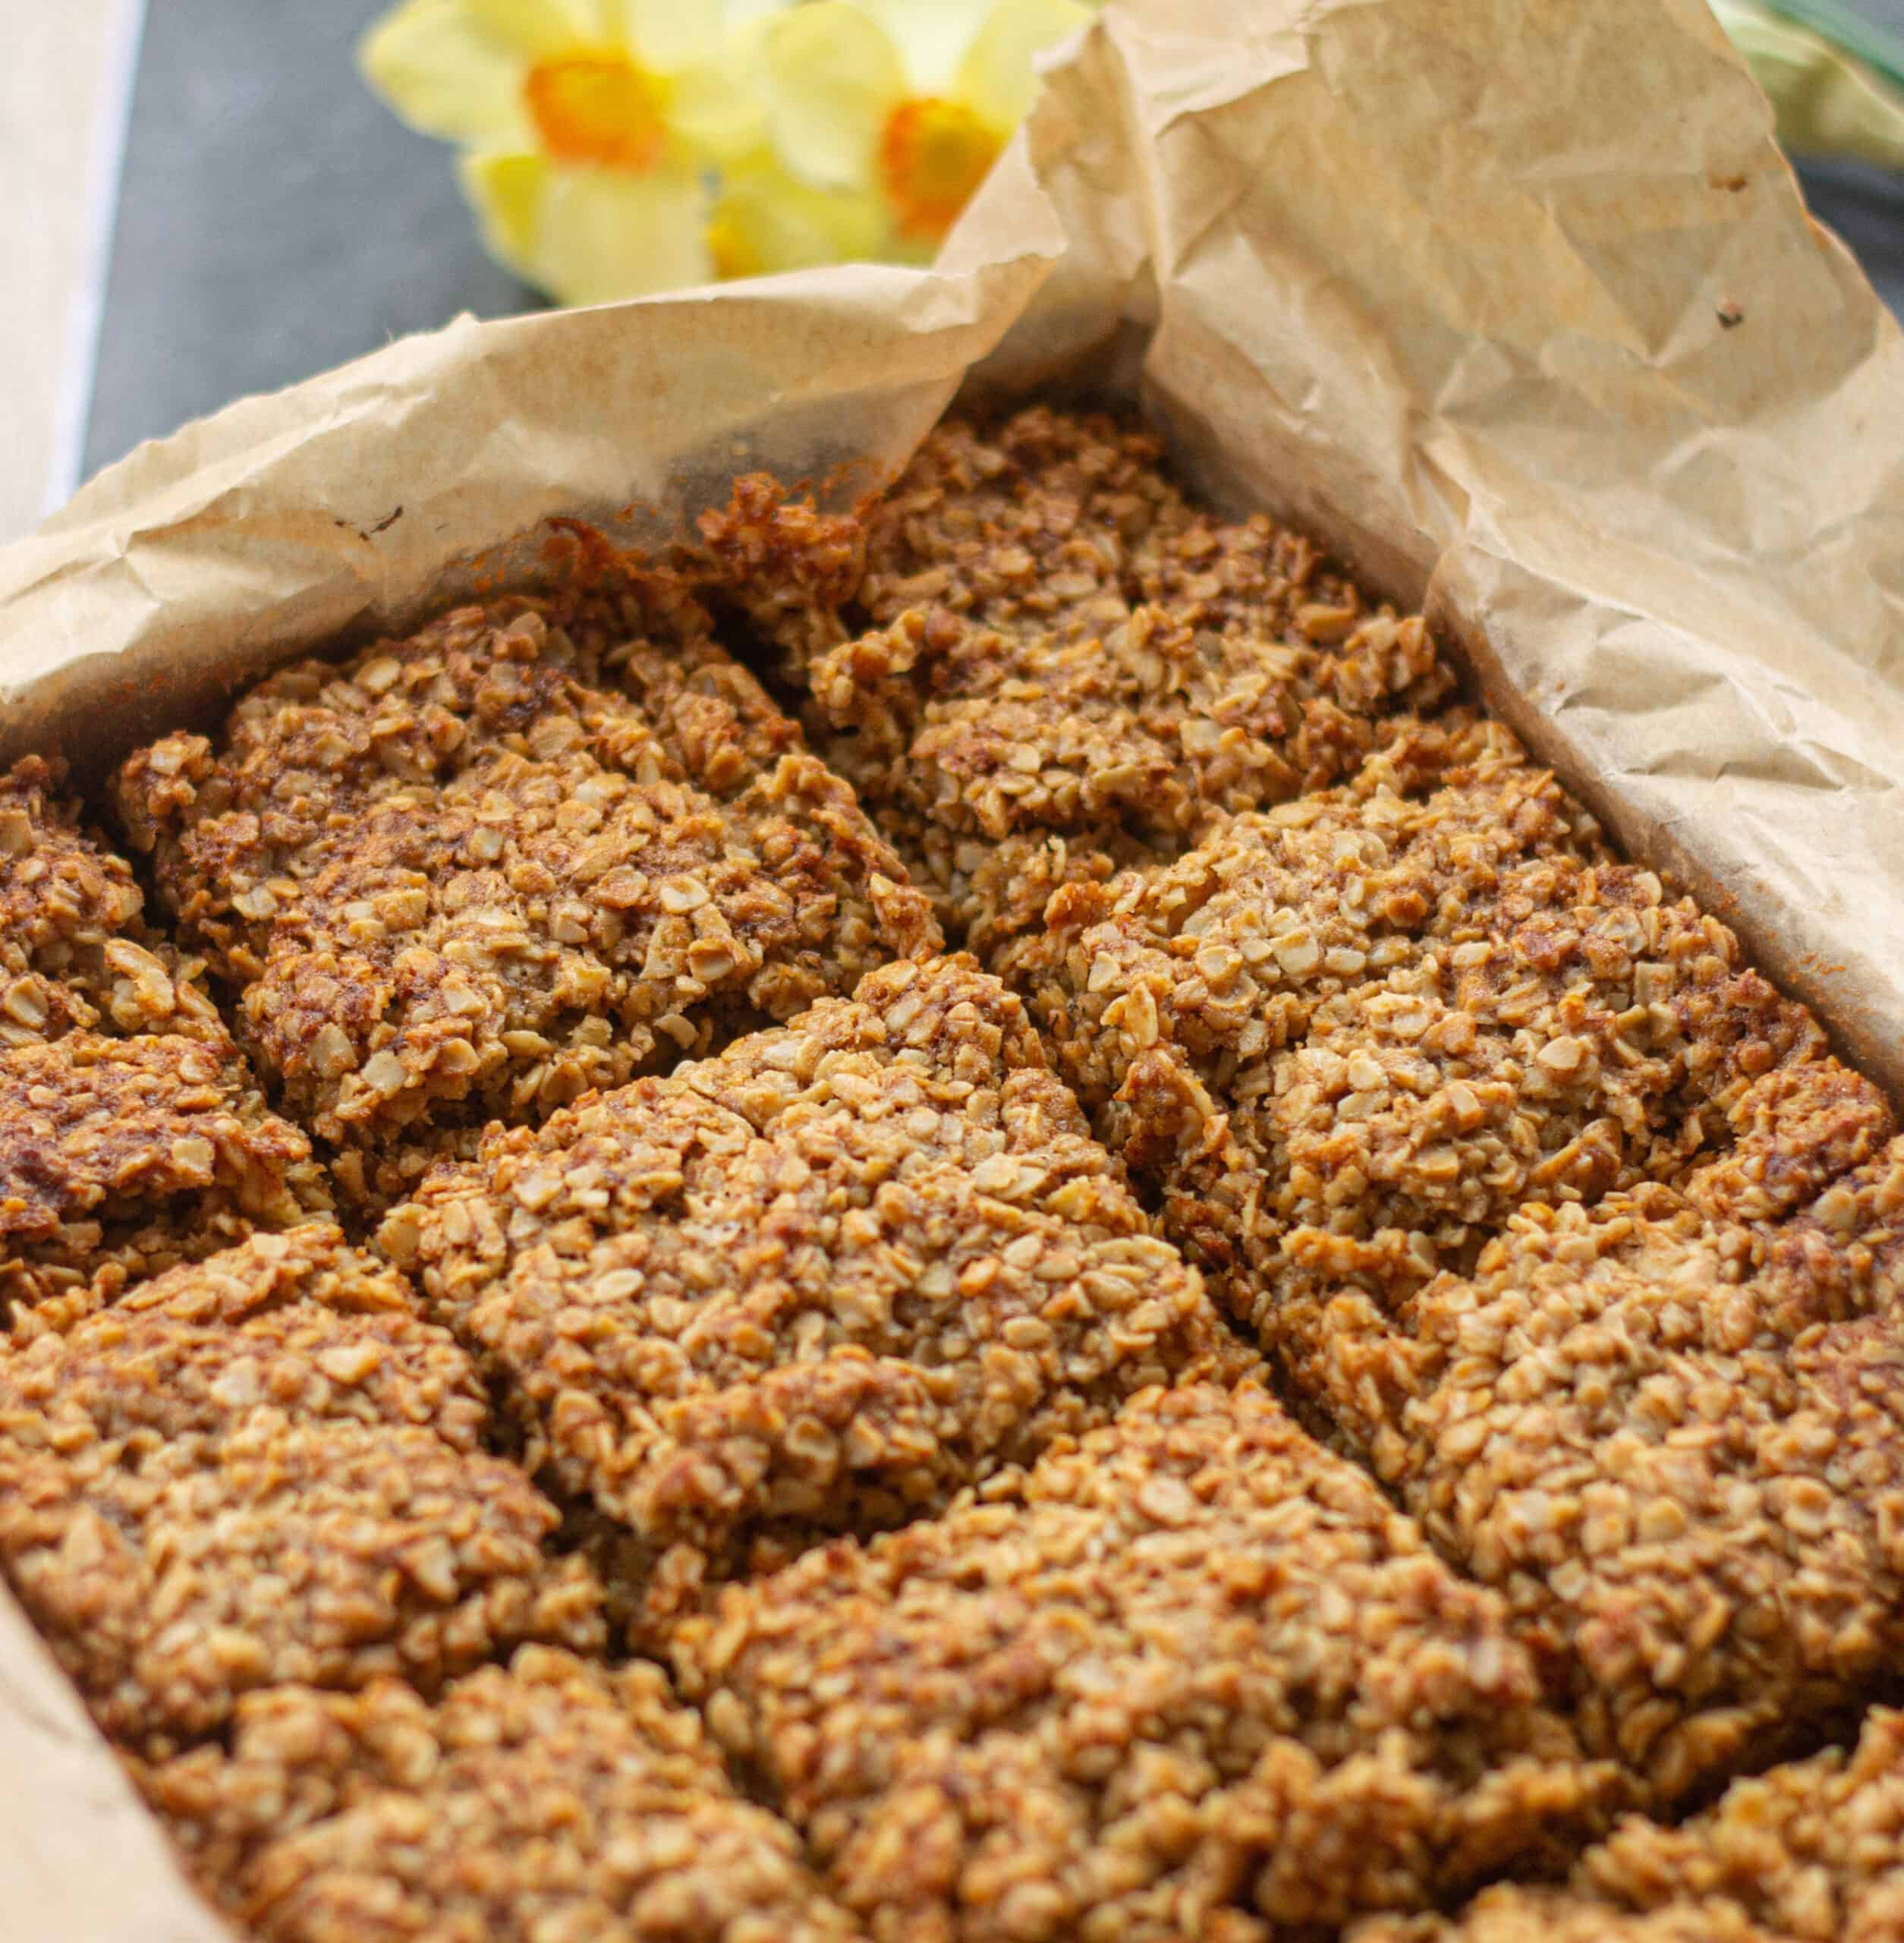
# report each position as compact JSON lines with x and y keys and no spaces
{"x":1348,"y":1037}
{"x":551,"y":1801}
{"x":820,"y":1283}
{"x":1671,"y":1428}
{"x":75,"y":952}
{"x":1528,"y":1182}
{"x":1038,"y":661}
{"x":260,"y":1467}
{"x":1811,"y":1849}
{"x":1510,"y":1913}
{"x":534,"y":849}
{"x":133,"y":1135}
{"x":1190,"y":1676}
{"x":838,"y":1325}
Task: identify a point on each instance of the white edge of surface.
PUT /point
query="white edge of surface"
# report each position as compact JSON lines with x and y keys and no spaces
{"x":105,"y":170}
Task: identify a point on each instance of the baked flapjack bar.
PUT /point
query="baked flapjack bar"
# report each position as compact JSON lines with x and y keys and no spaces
{"x":1027,"y":527}
{"x":1037,"y":662}
{"x":261,"y":1468}
{"x":1528,"y":1181}
{"x":132,"y":1134}
{"x":551,"y":1802}
{"x":1509,"y":1913}
{"x":534,"y":849}
{"x":1810,"y":1852}
{"x":120,"y":1158}
{"x":75,"y":951}
{"x":1191,"y":1676}
{"x":1813,"y":1848}
{"x":1670,"y":1429}
{"x":1348,"y":1037}
{"x":820,"y":1283}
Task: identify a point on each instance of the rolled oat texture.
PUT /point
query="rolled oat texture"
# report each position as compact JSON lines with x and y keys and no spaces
{"x":263,"y":1468}
{"x":551,"y":1803}
{"x":1510,"y":1914}
{"x":1349,"y":1038}
{"x":133,"y":1135}
{"x":1671,"y":1429}
{"x":1038,"y":661}
{"x":1813,"y":1849}
{"x":884,"y":1339}
{"x":819,"y":1283}
{"x":530,"y":851}
{"x":1191,"y":1676}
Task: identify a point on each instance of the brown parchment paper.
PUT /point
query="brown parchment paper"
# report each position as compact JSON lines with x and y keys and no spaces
{"x":1513,"y":302}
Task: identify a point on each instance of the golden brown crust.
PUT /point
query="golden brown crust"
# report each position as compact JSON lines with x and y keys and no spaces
{"x":1553,"y":1215}
{"x":530,"y":850}
{"x":820,"y":1283}
{"x":1352,"y":1040}
{"x":1814,"y":1848}
{"x":552,"y":1801}
{"x":1510,"y":1914}
{"x":1028,"y":526}
{"x":1023,"y":528}
{"x":1191,"y":1676}
{"x":264,"y":1467}
{"x":74,"y":950}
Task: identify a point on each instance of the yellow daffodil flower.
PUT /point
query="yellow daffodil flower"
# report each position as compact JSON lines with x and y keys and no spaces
{"x":765,"y":219}
{"x":593,"y":124}
{"x":904,"y":104}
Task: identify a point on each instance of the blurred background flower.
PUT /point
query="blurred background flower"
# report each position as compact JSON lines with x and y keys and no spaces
{"x":904,"y":103}
{"x":1836,"y":82}
{"x":612,"y":148}
{"x":592,"y":126}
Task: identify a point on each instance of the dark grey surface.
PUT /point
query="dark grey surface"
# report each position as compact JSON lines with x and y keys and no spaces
{"x":275,"y":220}
{"x":1865,"y":206}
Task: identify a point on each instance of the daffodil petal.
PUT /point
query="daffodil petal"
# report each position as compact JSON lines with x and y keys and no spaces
{"x":737,"y":14}
{"x":932,"y":35}
{"x":831,"y":78}
{"x":996,"y":79}
{"x":595,"y":235}
{"x":712,"y":113}
{"x":668,"y":34}
{"x":898,"y":247}
{"x":767,"y":220}
{"x":441,"y":72}
{"x":506,"y":192}
{"x":533,"y":28}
